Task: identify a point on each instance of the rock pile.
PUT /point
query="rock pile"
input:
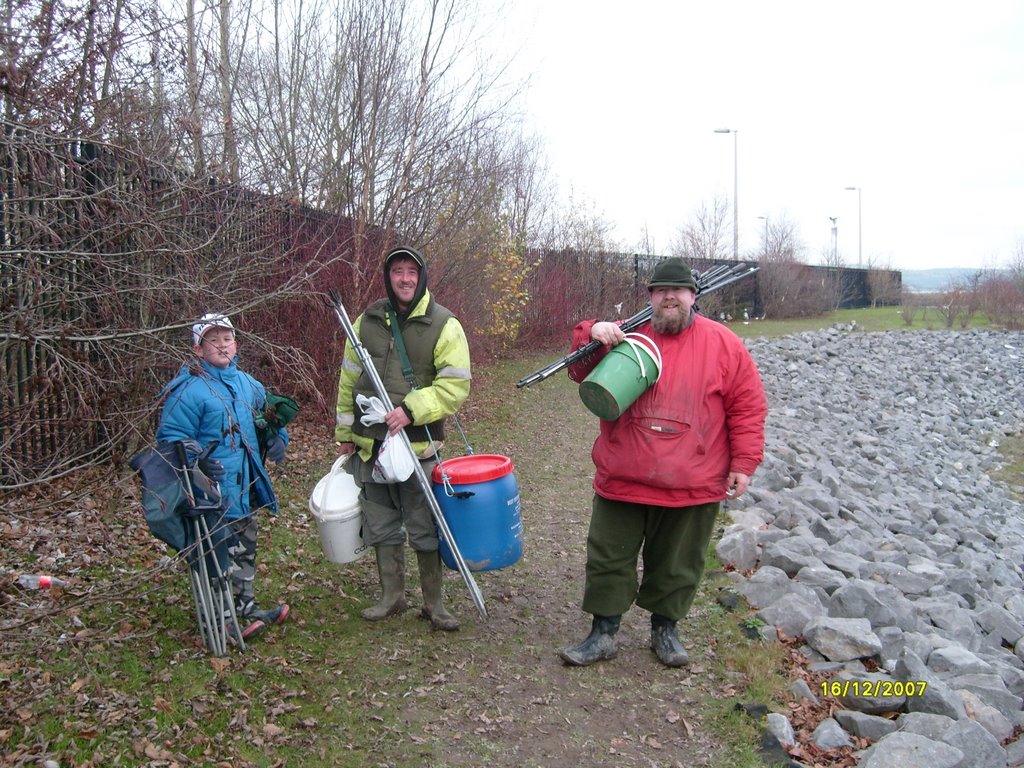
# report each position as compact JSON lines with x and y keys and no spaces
{"x":874,"y":532}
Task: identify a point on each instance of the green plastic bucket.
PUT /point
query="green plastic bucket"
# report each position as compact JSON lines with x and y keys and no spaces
{"x":626,"y":372}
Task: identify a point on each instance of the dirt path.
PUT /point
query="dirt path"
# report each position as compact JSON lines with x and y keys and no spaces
{"x":327,"y":688}
{"x":512,"y":702}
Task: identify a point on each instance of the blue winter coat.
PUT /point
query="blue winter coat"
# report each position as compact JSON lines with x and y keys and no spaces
{"x":221,"y":405}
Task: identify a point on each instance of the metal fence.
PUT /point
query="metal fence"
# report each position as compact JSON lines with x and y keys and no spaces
{"x":105,"y":254}
{"x":568,"y":286}
{"x":104,"y":257}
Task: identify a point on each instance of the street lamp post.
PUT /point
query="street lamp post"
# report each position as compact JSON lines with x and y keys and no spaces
{"x":735,"y":193}
{"x":835,"y":240}
{"x":860,"y":252}
{"x":765,"y":219}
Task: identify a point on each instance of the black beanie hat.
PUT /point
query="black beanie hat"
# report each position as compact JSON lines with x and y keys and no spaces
{"x":672,"y":273}
{"x":405,"y":252}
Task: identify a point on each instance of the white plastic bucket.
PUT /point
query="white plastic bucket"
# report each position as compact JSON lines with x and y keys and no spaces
{"x":334,"y":504}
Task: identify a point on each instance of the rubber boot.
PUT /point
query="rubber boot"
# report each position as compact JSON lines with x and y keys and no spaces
{"x":599,"y":645}
{"x":430,"y":584}
{"x":391,"y":571}
{"x":666,"y":643}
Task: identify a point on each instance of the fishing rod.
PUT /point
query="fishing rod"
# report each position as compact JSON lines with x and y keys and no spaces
{"x":428,"y":492}
{"x":710,"y":280}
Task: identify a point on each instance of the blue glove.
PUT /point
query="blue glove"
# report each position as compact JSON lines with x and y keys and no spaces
{"x":212,"y":468}
{"x":275,"y":449}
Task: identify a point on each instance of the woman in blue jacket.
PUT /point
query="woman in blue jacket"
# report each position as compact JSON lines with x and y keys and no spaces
{"x":212,"y":401}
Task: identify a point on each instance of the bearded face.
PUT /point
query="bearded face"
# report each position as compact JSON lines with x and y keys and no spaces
{"x":672,"y":309}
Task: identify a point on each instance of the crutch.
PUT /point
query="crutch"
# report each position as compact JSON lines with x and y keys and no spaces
{"x":435,"y":508}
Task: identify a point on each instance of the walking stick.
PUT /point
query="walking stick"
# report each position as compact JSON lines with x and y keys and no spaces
{"x":435,"y":508}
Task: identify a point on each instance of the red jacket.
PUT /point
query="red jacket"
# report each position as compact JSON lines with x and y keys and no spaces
{"x":704,"y":418}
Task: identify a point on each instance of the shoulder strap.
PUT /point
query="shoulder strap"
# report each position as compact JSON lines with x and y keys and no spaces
{"x":400,"y":346}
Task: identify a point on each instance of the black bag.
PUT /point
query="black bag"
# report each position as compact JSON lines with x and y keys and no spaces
{"x":165,"y":503}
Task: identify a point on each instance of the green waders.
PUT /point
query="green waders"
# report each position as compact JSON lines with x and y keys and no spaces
{"x":391,"y":570}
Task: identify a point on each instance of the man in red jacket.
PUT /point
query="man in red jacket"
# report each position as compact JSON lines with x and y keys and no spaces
{"x":664,"y":466}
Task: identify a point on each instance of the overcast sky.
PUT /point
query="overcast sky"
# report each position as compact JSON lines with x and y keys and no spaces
{"x":919,"y":104}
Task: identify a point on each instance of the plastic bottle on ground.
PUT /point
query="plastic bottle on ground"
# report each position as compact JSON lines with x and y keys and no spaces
{"x":34,"y":581}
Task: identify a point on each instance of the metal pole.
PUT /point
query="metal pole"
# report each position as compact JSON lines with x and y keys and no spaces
{"x":860,"y":238}
{"x":735,"y":191}
{"x":428,"y":491}
{"x":735,"y":197}
{"x":860,"y":253}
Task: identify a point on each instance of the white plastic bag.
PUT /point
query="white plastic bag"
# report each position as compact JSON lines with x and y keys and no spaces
{"x":373,"y":410}
{"x":394,"y":460}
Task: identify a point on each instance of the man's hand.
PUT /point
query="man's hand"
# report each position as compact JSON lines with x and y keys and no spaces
{"x":396,"y":420}
{"x":346,"y":449}
{"x":607,"y":333}
{"x":737,"y":485}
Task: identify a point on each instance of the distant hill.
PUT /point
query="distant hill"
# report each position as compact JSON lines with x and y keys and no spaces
{"x":931,"y":280}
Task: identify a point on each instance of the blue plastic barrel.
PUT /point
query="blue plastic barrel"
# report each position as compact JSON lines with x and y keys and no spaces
{"x":481,"y":507}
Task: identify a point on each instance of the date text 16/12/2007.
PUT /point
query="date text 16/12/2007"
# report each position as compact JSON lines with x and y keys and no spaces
{"x":878,"y":689}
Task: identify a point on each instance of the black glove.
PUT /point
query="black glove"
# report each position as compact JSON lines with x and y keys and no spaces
{"x":275,"y":449}
{"x":212,"y":468}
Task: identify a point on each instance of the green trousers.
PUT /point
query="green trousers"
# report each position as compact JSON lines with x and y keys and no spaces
{"x":674,"y":543}
{"x":393,"y":510}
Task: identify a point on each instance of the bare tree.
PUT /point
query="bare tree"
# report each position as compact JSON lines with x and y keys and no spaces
{"x":109,"y":258}
{"x":787,"y":287}
{"x":227,"y":75}
{"x":193,"y":86}
{"x":884,"y":283}
{"x":836,"y":284}
{"x":704,"y":237}
{"x":387,"y":114}
{"x":910,"y":307}
{"x":784,"y":244}
{"x":581,"y":227}
{"x":122,"y":231}
{"x":953,"y":303}
{"x":72,"y":64}
{"x":1001,"y":293}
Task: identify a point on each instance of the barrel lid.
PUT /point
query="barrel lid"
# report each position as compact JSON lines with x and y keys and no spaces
{"x":478,"y":468}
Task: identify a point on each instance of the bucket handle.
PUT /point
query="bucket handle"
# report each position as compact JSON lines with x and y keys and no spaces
{"x":336,"y":469}
{"x":450,"y":492}
{"x":640,"y":340}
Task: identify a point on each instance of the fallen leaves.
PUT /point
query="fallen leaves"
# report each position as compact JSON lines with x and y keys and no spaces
{"x":272,"y":731}
{"x":163,"y":705}
{"x":651,"y":742}
{"x":78,"y":684}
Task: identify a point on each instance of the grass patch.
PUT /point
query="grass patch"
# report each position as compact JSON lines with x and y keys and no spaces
{"x":750,"y":670}
{"x":868,"y":319}
{"x":1012,"y":470}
